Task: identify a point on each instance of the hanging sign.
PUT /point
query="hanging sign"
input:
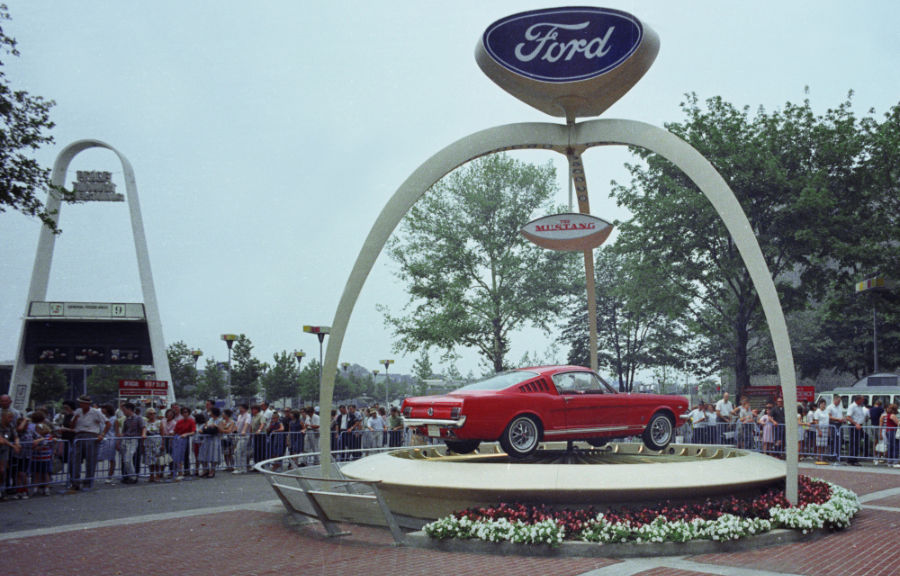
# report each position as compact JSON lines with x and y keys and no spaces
{"x":568,"y":231}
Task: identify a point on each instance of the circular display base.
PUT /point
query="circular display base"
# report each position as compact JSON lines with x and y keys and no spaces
{"x":428,"y":482}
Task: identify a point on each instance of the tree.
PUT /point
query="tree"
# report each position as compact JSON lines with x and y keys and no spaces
{"x":245,"y":369}
{"x":786,"y":168}
{"x":282,"y":379}
{"x":49,"y":384}
{"x":637,"y":318}
{"x":213,"y":383}
{"x":471,"y":276}
{"x":309,"y":381}
{"x":422,"y":370}
{"x":24,"y":126}
{"x":183,"y":368}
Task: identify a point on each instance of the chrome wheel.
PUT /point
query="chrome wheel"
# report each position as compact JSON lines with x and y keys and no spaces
{"x":659,"y":432}
{"x":521,"y":437}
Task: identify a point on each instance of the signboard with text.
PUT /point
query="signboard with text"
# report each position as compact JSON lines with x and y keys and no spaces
{"x":143,"y":387}
{"x":804,"y":393}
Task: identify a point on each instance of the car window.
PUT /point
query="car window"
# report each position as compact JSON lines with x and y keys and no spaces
{"x":501,"y":381}
{"x":580,"y":383}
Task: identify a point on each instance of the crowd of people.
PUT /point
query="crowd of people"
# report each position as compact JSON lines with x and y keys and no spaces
{"x":86,"y":442}
{"x":871,"y":432}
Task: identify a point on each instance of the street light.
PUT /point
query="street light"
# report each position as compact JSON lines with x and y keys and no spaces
{"x":229,"y":341}
{"x":299,"y":355}
{"x":387,"y":380}
{"x":320,"y":332}
{"x":876,"y":284}
{"x":196,"y":354}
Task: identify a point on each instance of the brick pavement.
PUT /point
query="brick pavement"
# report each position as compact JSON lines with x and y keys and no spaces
{"x":254,"y":543}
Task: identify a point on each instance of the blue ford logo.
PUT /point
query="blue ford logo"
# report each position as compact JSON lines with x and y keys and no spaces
{"x":563,"y":44}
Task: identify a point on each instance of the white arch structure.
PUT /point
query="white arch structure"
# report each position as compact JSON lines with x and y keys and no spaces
{"x":20,"y":387}
{"x":559,"y":137}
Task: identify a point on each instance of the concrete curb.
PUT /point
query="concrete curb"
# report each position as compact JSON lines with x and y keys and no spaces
{"x":621,"y":550}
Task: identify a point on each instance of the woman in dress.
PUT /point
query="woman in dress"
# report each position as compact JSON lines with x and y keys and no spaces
{"x":184,"y":429}
{"x":211,"y":447}
{"x":153,"y":445}
{"x":768,"y":431}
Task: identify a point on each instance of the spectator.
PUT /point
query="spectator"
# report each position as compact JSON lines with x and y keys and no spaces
{"x":822,"y":419}
{"x":778,"y":417}
{"x":698,"y":423}
{"x":244,"y":429}
{"x":892,"y":425}
{"x":184,"y":430}
{"x":110,"y":445}
{"x":875,"y":414}
{"x":297,"y":430}
{"x":133,"y":431}
{"x":90,"y":429}
{"x":311,"y":441}
{"x":856,"y":417}
{"x":258,"y":425}
{"x":6,"y":404}
{"x":395,"y":427}
{"x":211,"y":444}
{"x":228,"y":427}
{"x":154,"y":449}
{"x":275,"y":433}
{"x":768,"y":431}
{"x":21,"y":461}
{"x":712,"y":424}
{"x":42,"y":455}
{"x":746,"y":424}
{"x":9,"y":445}
{"x":835,"y":419}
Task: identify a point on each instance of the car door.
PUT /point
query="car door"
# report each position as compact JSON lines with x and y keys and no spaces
{"x":592,"y":410}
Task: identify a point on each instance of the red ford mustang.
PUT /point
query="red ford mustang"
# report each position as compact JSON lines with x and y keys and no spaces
{"x":524,"y":407}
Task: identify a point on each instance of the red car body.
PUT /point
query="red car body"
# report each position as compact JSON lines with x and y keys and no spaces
{"x":527,"y":406}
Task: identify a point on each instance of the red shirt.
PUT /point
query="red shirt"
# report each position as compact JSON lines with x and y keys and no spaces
{"x":185,"y":426}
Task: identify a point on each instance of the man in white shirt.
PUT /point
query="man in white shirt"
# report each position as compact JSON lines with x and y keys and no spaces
{"x":90,"y":428}
{"x":242,"y":423}
{"x":821,"y":419}
{"x":856,"y":416}
{"x":698,"y":424}
{"x":835,"y":419}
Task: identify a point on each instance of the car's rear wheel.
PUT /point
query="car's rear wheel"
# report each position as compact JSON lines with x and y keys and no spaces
{"x":521,"y":437}
{"x":462,"y":446}
{"x":659,"y":432}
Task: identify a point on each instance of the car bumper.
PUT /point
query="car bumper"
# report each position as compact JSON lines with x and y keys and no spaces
{"x":453,"y":424}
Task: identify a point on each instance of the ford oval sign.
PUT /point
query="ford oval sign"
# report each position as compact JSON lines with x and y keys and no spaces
{"x":567,"y":61}
{"x":563,"y":44}
{"x":572,"y":231}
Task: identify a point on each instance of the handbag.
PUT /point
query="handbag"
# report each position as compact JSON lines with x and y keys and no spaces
{"x":880,"y":447}
{"x":897,"y":434}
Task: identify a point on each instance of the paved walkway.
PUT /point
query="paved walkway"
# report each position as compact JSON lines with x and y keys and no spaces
{"x":233,"y":526}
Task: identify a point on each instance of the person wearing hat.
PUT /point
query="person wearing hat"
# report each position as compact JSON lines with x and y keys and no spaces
{"x":90,"y":428}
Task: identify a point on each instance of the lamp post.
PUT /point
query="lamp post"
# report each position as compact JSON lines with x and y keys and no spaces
{"x":229,"y":341}
{"x":387,"y":380}
{"x":877,"y":284}
{"x":196,"y":354}
{"x":299,"y":355}
{"x":320,"y":332}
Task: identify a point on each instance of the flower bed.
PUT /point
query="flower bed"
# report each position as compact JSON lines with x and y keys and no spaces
{"x":821,"y":505}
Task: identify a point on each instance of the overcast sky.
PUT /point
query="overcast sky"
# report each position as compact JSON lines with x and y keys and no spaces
{"x":267,"y":136}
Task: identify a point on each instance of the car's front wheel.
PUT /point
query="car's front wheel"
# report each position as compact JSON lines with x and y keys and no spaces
{"x":659,"y":432}
{"x":462,"y":446}
{"x":521,"y":437}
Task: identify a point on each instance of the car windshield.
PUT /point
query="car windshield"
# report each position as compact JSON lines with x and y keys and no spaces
{"x":500,"y":381}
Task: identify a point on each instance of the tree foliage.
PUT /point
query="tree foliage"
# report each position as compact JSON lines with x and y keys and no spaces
{"x":213,"y":383}
{"x":471,"y":276}
{"x":103,"y":381}
{"x":182,"y":367}
{"x":638,"y":313}
{"x":24,"y":127}
{"x":48,"y":384}
{"x":245,"y":369}
{"x":282,"y":378}
{"x":820,"y":192}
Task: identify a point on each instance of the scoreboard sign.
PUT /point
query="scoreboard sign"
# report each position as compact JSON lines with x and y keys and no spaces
{"x":143,"y":388}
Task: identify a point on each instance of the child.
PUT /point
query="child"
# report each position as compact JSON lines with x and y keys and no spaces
{"x":41,"y":456}
{"x":768,"y":432}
